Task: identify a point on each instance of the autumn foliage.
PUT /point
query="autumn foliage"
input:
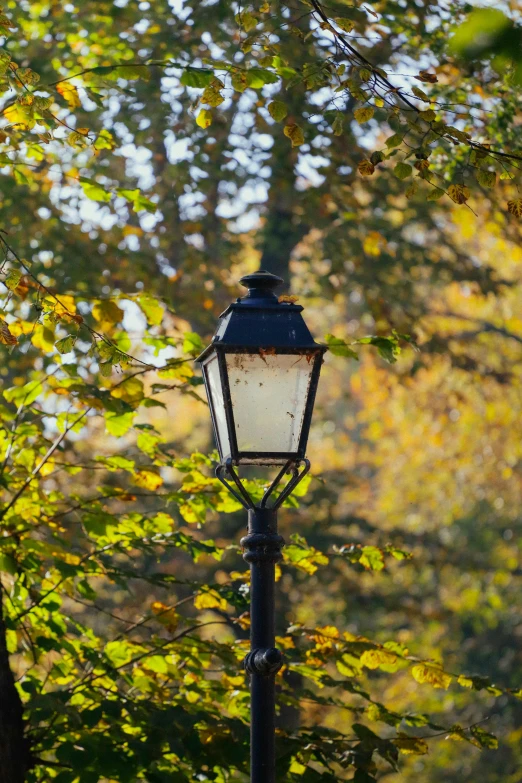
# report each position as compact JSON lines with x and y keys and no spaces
{"x":151,"y":154}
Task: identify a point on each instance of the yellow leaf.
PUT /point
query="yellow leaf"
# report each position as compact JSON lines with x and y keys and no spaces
{"x":297,"y":768}
{"x":515,"y":207}
{"x":372,"y":243}
{"x":295,"y":134}
{"x":363,"y":114}
{"x":287,"y":298}
{"x":166,"y":615}
{"x":148,"y":479}
{"x":70,"y":93}
{"x":345,"y":24}
{"x":431,"y":674}
{"x":132,"y":230}
{"x":413,"y":745}
{"x":188,"y":513}
{"x":47,"y":469}
{"x":62,"y":305}
{"x":239,"y":81}
{"x":20,"y":115}
{"x":459,"y":193}
{"x":325,"y":636}
{"x":465,"y":682}
{"x":107,"y":313}
{"x":366,"y":168}
{"x":372,"y":659}
{"x":212,"y":97}
{"x":21,"y":327}
{"x":204,"y":118}
{"x":130,"y":391}
{"x":6,"y":338}
{"x":43,"y":338}
{"x":78,"y":139}
{"x":179,"y":372}
{"x":210,"y":600}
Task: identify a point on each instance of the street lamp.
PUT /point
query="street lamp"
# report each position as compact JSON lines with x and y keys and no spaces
{"x":261,"y":372}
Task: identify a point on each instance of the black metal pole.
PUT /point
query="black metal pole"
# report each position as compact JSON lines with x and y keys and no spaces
{"x":262,"y":549}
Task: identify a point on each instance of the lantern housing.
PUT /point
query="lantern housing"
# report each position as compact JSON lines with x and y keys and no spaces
{"x":261,"y":373}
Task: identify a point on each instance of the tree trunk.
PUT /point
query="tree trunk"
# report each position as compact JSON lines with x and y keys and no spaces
{"x":15,"y":756}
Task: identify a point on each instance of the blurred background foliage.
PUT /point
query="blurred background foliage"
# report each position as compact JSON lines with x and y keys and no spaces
{"x":151,"y":154}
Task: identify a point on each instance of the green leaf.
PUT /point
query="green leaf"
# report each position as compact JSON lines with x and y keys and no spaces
{"x":346,"y":25}
{"x":12,"y":279}
{"x":487,"y":179}
{"x":337,"y":125}
{"x":246,"y":20}
{"x":131,"y":72}
{"x":66,"y":344}
{"x":24,"y":395}
{"x":152,"y":309}
{"x":371,"y":558}
{"x":156,"y":663}
{"x":119,"y":652}
{"x":105,"y":140}
{"x":94,"y":191}
{"x":8,"y":564}
{"x":483,"y":31}
{"x":258,"y":77}
{"x":196,"y":77}
{"x":377,"y":157}
{"x":420,"y":94}
{"x":387,"y":347}
{"x":142,"y":203}
{"x":137,"y":199}
{"x":364,"y":114}
{"x":339,"y":347}
{"x":483,"y":738}
{"x":278,"y":110}
{"x":402,"y":170}
{"x":118,"y":424}
{"x":394,"y":141}
{"x":192,"y":343}
{"x":435,"y":194}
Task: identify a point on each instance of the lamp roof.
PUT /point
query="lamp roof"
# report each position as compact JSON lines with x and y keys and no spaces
{"x":260,"y":320}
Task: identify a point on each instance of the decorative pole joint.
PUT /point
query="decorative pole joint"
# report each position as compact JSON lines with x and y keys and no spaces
{"x":262,"y":547}
{"x":264,"y":662}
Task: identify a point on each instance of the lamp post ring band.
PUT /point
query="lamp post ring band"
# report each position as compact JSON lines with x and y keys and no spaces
{"x":264,"y":661}
{"x":259,"y":547}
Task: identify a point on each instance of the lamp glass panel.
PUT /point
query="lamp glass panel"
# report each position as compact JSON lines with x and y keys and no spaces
{"x":215,"y":395}
{"x":269,"y":394}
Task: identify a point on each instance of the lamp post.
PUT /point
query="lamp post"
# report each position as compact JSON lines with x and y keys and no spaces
{"x":261,"y":372}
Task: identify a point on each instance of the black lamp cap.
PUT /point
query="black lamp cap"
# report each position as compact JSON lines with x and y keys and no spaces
{"x":260,"y":321}
{"x":261,"y":285}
